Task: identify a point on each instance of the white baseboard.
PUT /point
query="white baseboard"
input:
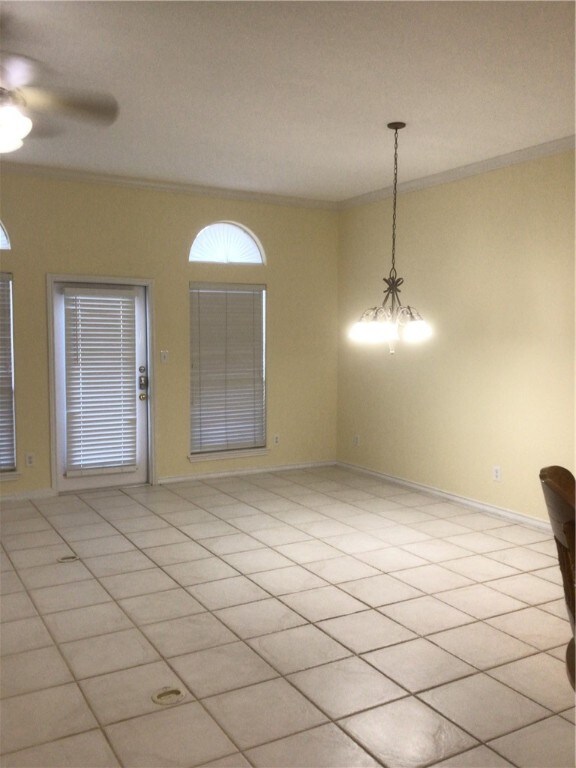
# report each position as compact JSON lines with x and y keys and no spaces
{"x":22,"y":496}
{"x":238,"y":472}
{"x":488,"y":509}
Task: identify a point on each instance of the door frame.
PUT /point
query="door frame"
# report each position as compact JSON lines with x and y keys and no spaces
{"x":51,"y":281}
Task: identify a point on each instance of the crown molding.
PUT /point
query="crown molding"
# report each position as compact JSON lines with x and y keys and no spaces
{"x":90,"y":177}
{"x":445,"y":177}
{"x":474,"y":169}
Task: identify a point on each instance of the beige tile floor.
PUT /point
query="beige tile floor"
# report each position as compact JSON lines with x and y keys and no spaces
{"x":308,"y":618}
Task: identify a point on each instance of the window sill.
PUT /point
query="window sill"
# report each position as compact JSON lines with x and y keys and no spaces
{"x":224,"y":455}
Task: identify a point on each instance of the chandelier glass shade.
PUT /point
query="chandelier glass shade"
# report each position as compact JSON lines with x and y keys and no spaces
{"x":391,"y":320}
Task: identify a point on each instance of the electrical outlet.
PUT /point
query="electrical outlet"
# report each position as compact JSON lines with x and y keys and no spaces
{"x":276,"y":439}
{"x":356,"y":441}
{"x":496,"y":473}
{"x":30,"y":460}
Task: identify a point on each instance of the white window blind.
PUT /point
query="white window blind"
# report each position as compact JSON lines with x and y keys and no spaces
{"x":7,"y":420}
{"x":226,"y":243}
{"x":227,"y":333}
{"x":4,"y":239}
{"x":100,"y":332}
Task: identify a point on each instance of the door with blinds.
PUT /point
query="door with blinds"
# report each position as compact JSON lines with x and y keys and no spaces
{"x":101,"y":382}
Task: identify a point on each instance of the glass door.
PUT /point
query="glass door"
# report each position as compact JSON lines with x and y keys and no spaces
{"x":101,"y":380}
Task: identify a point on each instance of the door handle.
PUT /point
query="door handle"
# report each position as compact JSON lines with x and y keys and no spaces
{"x":142,"y":396}
{"x":142,"y":382}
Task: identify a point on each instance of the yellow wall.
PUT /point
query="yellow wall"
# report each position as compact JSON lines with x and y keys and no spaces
{"x":489,"y":261}
{"x":76,"y":228}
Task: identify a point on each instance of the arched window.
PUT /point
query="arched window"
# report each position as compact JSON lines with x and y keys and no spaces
{"x":4,"y":239}
{"x":225,"y":242}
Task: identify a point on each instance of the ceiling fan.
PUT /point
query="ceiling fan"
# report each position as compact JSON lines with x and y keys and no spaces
{"x":21,"y":100}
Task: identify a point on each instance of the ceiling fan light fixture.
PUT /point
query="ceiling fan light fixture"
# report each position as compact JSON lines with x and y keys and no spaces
{"x":14,"y":126}
{"x":9,"y":144}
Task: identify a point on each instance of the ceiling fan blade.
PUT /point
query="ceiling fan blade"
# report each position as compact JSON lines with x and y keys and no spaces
{"x":17,"y":71}
{"x":98,"y":107}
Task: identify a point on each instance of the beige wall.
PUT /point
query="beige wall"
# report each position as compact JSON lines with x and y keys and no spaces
{"x":489,"y":261}
{"x":64,"y":227}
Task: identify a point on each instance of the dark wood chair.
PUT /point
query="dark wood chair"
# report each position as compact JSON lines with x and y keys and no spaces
{"x":559,"y":490}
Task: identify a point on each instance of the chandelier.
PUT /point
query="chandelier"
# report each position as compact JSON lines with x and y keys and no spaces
{"x":391,"y":320}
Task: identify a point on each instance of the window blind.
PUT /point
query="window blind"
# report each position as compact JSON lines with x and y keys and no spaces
{"x":7,"y":420}
{"x":227,"y":333}
{"x":226,"y":243}
{"x":100,"y":335}
{"x":4,"y":239}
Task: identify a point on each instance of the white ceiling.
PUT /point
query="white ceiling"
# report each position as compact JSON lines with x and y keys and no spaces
{"x":293,"y":98}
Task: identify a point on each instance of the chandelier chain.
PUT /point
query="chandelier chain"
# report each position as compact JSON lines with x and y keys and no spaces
{"x":394,"y":195}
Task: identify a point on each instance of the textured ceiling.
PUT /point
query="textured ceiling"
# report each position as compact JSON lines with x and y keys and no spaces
{"x":293,"y":98}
